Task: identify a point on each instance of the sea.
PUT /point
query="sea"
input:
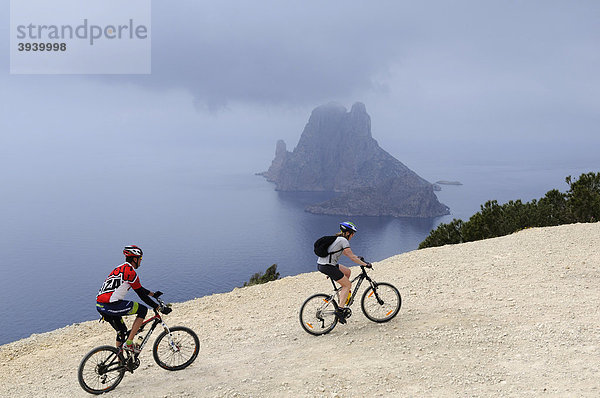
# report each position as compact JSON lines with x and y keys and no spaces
{"x":202,"y":233}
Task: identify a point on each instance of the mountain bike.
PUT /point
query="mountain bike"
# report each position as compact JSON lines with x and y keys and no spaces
{"x":380,"y":302}
{"x":103,"y":368}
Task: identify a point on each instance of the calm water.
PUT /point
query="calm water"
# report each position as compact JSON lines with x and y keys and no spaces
{"x":200,"y":234}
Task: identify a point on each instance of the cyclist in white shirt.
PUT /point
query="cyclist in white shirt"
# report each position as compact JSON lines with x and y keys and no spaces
{"x":339,"y":273}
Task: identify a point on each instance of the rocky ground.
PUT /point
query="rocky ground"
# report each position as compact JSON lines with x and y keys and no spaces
{"x":514,"y":316}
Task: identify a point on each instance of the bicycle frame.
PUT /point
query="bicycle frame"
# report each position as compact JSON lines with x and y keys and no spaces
{"x":130,"y":362}
{"x":360,"y":277}
{"x":156,"y":319}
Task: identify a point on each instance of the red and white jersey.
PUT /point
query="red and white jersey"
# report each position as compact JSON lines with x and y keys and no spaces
{"x":118,"y":283}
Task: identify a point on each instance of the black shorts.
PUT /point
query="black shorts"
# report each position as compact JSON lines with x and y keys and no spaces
{"x":113,"y":312}
{"x":331,"y":270}
{"x":118,"y":308}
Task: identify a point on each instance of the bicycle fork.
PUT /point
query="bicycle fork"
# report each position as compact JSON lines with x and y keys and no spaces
{"x":374,"y":291}
{"x":172,"y":343}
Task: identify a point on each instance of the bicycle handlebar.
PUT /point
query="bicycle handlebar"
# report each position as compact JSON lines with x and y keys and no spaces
{"x":362,"y":266}
{"x":161,"y":305}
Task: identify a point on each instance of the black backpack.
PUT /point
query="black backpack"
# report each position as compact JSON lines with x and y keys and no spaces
{"x":322,"y":244}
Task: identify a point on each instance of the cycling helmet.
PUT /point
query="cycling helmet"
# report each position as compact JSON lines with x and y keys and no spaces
{"x":132,"y":251}
{"x":348,"y":226}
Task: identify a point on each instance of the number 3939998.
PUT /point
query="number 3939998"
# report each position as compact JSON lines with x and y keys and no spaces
{"x":42,"y":46}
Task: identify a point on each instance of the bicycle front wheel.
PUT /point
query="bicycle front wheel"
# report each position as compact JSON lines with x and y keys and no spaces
{"x":101,"y":370}
{"x":382,"y":303}
{"x":317,"y":314}
{"x":176,"y":350}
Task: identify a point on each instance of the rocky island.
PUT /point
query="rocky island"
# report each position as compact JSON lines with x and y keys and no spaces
{"x":337,"y":153}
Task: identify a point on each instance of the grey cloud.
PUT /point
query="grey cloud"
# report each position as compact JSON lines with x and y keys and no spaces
{"x":311,"y":52}
{"x":464,"y":67}
{"x":272,"y":52}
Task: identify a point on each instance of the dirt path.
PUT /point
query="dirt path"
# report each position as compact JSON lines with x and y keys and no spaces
{"x":513,"y":316}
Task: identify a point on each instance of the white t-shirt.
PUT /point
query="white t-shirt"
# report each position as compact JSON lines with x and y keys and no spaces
{"x":340,"y":243}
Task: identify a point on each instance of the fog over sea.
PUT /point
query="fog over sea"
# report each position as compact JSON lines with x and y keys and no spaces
{"x":203,"y":233}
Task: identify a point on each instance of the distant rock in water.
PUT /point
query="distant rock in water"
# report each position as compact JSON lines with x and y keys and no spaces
{"x":336,"y":153}
{"x":445,"y":182}
{"x":276,"y":166}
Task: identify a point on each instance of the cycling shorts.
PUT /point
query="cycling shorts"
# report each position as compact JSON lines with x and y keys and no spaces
{"x":118,"y":308}
{"x":331,"y":270}
{"x":112,"y":313}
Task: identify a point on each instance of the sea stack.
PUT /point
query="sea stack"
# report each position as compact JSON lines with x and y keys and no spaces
{"x":337,"y":153}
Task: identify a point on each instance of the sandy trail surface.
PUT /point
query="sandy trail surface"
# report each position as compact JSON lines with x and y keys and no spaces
{"x":512,"y":316}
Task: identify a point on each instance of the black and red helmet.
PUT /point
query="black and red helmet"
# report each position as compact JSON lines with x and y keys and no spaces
{"x":132,"y":251}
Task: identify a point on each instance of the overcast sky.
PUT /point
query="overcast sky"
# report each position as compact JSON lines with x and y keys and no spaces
{"x":229,"y":78}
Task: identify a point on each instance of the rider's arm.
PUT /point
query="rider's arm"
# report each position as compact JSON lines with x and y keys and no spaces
{"x":145,"y":296}
{"x":348,"y":252}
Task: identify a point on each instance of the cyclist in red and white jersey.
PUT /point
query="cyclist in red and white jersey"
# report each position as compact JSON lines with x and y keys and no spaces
{"x":110,"y":301}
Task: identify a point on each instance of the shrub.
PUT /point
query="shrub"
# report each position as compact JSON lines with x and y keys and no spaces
{"x":581,"y":203}
{"x":444,"y":234}
{"x":584,"y":197}
{"x":270,"y":274}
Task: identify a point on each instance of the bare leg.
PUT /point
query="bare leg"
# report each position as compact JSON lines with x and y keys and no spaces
{"x":135,"y":327}
{"x":345,"y":270}
{"x":346,"y":286}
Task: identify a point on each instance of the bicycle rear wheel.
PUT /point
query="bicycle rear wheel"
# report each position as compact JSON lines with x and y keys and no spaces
{"x":317,"y":314}
{"x":177,"y":350}
{"x":382,"y":303}
{"x":101,"y":370}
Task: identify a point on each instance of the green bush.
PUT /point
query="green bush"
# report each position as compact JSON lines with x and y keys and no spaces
{"x":444,"y":234}
{"x":584,"y":197}
{"x":270,"y":274}
{"x":581,"y":203}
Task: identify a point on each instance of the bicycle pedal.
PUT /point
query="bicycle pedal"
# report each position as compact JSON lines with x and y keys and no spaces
{"x":343,"y":314}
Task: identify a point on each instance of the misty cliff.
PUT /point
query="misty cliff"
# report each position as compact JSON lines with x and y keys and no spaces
{"x":337,"y":153}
